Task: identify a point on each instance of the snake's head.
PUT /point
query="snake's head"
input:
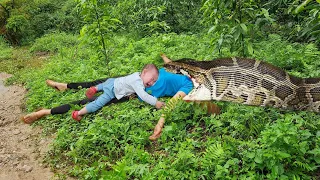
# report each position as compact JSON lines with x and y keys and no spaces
{"x":172,"y":67}
{"x":182,"y":67}
{"x":179,"y":68}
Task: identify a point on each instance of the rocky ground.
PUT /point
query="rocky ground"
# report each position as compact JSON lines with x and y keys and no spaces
{"x":21,"y":146}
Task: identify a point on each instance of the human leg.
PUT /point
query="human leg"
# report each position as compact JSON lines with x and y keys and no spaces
{"x":77,"y":85}
{"x":32,"y":117}
{"x":66,"y":107}
{"x":103,"y":99}
{"x":57,"y":85}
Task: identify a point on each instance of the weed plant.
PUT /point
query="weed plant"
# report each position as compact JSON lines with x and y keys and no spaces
{"x":243,"y":142}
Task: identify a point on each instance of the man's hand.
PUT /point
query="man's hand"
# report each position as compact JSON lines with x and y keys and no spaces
{"x":156,"y":132}
{"x":160,"y":104}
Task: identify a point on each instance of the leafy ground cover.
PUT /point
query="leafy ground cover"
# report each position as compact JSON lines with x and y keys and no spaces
{"x":19,"y":62}
{"x":6,"y":51}
{"x":241,"y":143}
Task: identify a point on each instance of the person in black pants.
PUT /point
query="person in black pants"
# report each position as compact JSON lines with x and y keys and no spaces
{"x":30,"y":118}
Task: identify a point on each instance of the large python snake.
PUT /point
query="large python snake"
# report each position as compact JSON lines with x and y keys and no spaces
{"x":250,"y":82}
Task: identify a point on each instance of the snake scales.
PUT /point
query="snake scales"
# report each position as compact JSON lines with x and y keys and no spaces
{"x":250,"y":82}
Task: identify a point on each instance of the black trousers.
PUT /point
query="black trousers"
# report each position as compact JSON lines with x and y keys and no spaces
{"x":66,"y":107}
{"x":80,"y":85}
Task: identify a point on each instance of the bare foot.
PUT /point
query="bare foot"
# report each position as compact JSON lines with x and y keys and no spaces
{"x":57,"y":85}
{"x":165,"y":58}
{"x":32,"y":117}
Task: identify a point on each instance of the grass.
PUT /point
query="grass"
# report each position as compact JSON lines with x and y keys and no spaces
{"x":20,"y":63}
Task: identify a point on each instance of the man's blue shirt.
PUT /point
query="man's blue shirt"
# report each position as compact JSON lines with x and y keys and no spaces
{"x":168,"y":84}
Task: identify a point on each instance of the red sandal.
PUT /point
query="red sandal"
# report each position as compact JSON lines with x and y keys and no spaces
{"x":91,"y":92}
{"x":75,"y":116}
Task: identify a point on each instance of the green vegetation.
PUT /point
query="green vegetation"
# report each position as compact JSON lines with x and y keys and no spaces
{"x":119,"y":37}
{"x":246,"y":142}
{"x":6,"y":51}
{"x":54,"y":42}
{"x":21,"y":21}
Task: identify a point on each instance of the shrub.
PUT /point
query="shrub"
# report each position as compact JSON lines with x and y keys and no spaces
{"x":54,"y":42}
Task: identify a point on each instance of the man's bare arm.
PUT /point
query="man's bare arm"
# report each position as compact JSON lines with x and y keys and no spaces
{"x":158,"y":128}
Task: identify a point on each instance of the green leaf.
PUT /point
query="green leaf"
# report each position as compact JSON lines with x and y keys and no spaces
{"x":250,"y":49}
{"x":266,"y":14}
{"x":258,"y":159}
{"x":301,"y":6}
{"x":237,"y":34}
{"x":283,"y":155}
{"x":220,"y":41}
{"x":244,"y":28}
{"x":168,"y":128}
{"x":212,"y":29}
{"x":286,"y":139}
{"x":250,"y":155}
{"x":115,"y":20}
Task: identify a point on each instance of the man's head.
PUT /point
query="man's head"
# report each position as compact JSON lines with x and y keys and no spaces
{"x":149,"y":75}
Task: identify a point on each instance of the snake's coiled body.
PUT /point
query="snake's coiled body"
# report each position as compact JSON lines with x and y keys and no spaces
{"x":250,"y":82}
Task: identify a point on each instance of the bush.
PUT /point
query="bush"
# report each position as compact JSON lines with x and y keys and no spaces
{"x":26,"y":20}
{"x":54,"y":42}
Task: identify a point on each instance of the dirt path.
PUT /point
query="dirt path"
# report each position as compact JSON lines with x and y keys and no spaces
{"x":21,"y":146}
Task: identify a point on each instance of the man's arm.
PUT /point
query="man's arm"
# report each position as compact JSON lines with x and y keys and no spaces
{"x":158,"y":128}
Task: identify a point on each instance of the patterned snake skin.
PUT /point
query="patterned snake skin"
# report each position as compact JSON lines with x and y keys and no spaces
{"x":250,"y":82}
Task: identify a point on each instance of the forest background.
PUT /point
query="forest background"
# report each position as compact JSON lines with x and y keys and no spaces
{"x":90,"y":39}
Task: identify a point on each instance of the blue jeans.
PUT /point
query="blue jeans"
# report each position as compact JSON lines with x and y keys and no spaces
{"x":108,"y":94}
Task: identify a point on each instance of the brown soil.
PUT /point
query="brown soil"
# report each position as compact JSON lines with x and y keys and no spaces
{"x":21,"y":146}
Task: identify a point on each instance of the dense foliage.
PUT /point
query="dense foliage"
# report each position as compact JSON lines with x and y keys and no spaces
{"x":21,"y":21}
{"x":235,"y":21}
{"x":242,"y":142}
{"x":82,"y":40}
